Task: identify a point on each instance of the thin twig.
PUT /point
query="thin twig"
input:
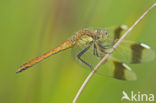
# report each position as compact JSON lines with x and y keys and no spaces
{"x":106,"y":56}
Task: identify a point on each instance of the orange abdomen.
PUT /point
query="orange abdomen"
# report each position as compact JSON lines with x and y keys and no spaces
{"x":67,"y":44}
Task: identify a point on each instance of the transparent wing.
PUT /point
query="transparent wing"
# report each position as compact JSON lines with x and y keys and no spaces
{"x":133,"y":52}
{"x":114,"y":33}
{"x":127,"y":51}
{"x":111,"y":68}
{"x":87,"y":56}
{"x":116,"y":69}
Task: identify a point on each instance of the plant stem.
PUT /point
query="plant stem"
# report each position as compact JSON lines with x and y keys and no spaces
{"x":107,"y":55}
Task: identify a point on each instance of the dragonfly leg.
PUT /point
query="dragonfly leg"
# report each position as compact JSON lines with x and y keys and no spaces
{"x":105,"y":47}
{"x":107,"y":52}
{"x":81,"y":53}
{"x":95,"y":52}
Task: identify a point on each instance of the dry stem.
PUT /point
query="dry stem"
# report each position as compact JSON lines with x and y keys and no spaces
{"x":106,"y":56}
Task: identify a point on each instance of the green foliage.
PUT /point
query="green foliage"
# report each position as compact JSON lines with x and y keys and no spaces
{"x":29,"y":28}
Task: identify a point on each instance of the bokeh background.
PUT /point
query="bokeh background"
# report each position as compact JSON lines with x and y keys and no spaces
{"x":29,"y":28}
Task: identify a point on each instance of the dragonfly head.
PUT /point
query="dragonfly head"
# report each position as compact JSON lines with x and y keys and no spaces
{"x":100,"y":33}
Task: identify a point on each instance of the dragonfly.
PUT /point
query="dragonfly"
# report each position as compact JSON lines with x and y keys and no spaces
{"x":89,"y":46}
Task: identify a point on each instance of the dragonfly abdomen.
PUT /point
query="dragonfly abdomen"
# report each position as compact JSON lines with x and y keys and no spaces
{"x":67,"y":44}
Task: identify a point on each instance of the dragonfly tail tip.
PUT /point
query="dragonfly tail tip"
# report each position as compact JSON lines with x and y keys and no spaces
{"x":17,"y":72}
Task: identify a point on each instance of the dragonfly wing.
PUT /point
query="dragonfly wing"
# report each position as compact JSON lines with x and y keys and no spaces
{"x":114,"y":33}
{"x":116,"y":69}
{"x":128,"y":51}
{"x":133,"y":52}
{"x":87,"y":56}
{"x":111,"y":68}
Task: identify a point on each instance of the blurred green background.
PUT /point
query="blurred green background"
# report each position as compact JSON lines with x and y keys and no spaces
{"x":29,"y":28}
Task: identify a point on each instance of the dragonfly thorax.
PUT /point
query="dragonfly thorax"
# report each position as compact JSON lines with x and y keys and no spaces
{"x":86,"y":36}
